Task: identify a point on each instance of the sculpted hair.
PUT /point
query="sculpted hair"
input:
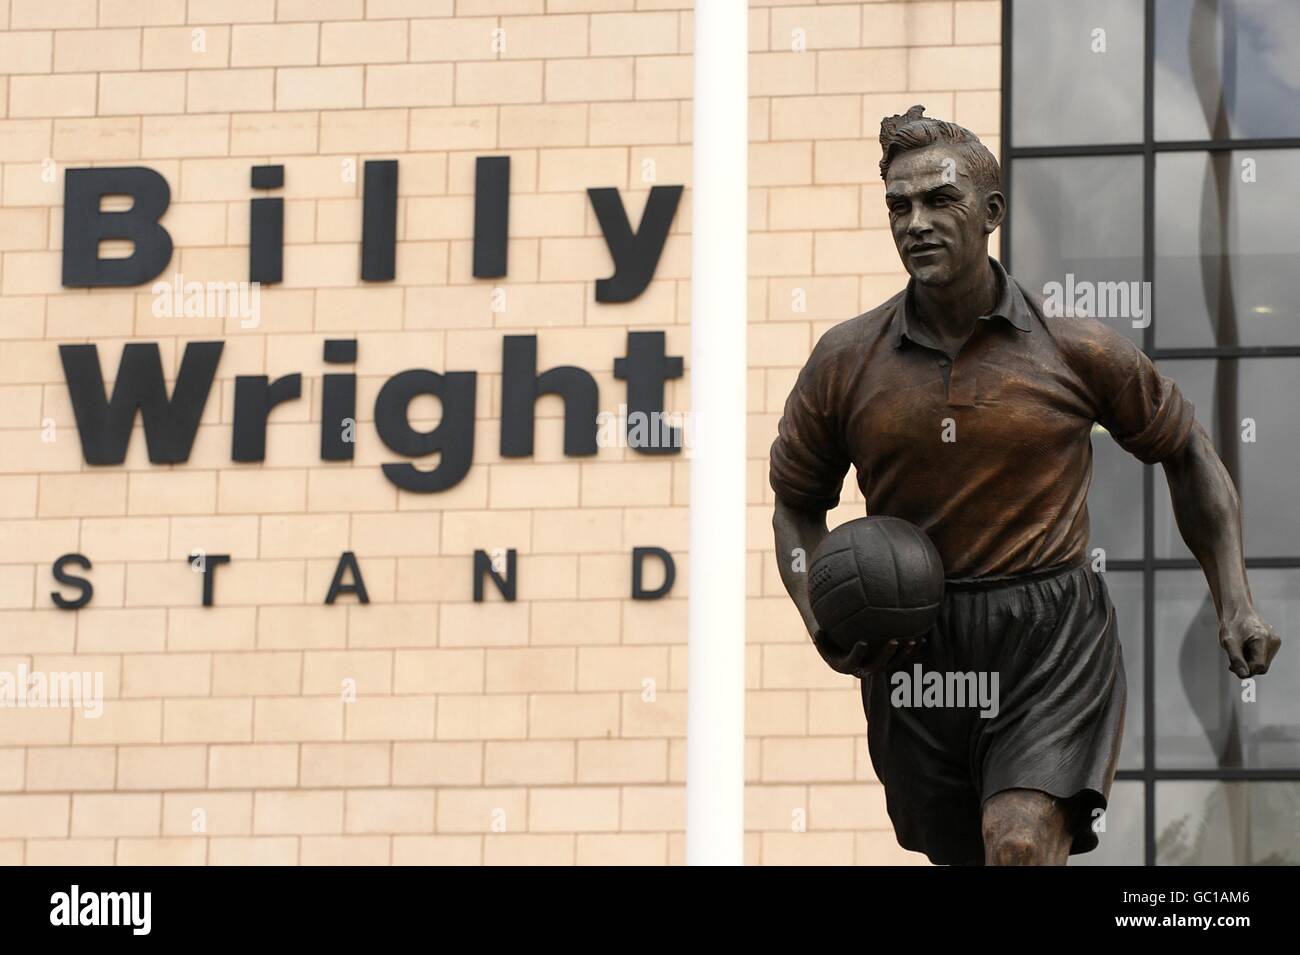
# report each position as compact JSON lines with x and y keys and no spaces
{"x":912,"y":130}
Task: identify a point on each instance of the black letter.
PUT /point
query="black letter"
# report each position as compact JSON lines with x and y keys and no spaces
{"x":81,"y":583}
{"x":339,"y":404}
{"x":635,"y":255}
{"x":491,"y":215}
{"x":645,"y":369}
{"x":454,"y":435}
{"x":347,"y":562}
{"x":483,"y":565}
{"x":210,"y":563}
{"x":169,"y":425}
{"x":379,"y":221}
{"x":520,"y":388}
{"x":85,"y":226}
{"x":266,"y":228}
{"x":639,"y":554}
{"x":254,"y":399}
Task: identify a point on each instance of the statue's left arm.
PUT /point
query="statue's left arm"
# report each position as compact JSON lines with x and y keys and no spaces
{"x":1208,"y":512}
{"x":1148,"y":416}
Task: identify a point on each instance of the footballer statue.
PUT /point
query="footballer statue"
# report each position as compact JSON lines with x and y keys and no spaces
{"x":967,"y":414}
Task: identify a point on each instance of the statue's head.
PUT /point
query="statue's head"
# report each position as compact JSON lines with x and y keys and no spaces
{"x":943,"y":191}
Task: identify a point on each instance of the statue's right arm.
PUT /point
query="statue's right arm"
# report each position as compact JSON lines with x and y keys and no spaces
{"x":797,"y":532}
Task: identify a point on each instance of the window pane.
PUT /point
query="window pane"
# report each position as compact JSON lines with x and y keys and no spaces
{"x":1076,"y":72}
{"x":1227,"y":240}
{"x":1124,"y":838}
{"x":1114,"y":499}
{"x":1076,"y":220}
{"x":1213,"y":823}
{"x":1125,"y":588}
{"x":1264,"y":454}
{"x":1233,"y":62}
{"x":1202,"y":721}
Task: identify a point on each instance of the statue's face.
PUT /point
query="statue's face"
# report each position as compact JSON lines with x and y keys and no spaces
{"x":940,"y":217}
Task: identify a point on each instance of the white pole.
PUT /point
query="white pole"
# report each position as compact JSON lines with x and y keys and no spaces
{"x":715,"y":723}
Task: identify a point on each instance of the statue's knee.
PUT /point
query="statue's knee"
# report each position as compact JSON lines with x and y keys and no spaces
{"x":1016,"y":847}
{"x":1025,"y":827}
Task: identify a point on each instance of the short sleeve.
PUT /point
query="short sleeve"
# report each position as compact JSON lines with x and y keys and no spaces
{"x":808,"y":461}
{"x":1144,"y":411}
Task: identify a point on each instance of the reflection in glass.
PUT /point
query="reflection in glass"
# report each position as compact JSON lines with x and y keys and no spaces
{"x":1227,"y":240}
{"x":1247,"y":406}
{"x":1205,"y":717}
{"x":1124,"y":837}
{"x":1125,"y":588}
{"x":1114,"y":499}
{"x":1217,"y":823}
{"x":1077,"y":72}
{"x":1226,"y":69}
{"x":1080,"y":217}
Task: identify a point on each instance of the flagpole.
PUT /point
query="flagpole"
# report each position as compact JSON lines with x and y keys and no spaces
{"x":715,"y":732}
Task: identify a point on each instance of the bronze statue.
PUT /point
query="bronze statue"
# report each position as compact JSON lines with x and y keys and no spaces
{"x":968,"y":412}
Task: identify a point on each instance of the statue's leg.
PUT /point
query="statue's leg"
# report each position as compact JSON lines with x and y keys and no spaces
{"x":1057,"y":721}
{"x":1025,"y":827}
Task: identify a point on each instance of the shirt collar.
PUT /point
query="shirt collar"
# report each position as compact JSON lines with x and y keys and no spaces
{"x":1010,"y":306}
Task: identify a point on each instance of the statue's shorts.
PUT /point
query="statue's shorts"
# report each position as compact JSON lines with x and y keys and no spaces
{"x":1020,"y":685}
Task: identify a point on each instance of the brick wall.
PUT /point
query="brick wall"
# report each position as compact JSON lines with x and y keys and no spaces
{"x":821,"y":252}
{"x":550,"y":729}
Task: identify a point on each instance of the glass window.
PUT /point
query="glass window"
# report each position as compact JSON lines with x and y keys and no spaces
{"x":1212,"y":247}
{"x":1124,"y":836}
{"x":1226,"y":70}
{"x":1205,"y":717}
{"x":1078,"y":219}
{"x":1227,"y":240}
{"x":1077,"y":72}
{"x":1114,"y":499}
{"x":1125,"y":589}
{"x":1218,"y":823}
{"x":1254,"y":400}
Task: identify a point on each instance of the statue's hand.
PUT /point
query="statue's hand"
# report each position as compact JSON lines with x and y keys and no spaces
{"x":859,"y":661}
{"x":1250,"y":644}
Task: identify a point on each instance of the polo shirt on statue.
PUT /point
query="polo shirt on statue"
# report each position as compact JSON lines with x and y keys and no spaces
{"x":989,"y":453}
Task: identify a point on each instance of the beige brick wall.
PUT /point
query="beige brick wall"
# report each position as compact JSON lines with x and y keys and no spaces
{"x":821,"y":252}
{"x":480,"y":733}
